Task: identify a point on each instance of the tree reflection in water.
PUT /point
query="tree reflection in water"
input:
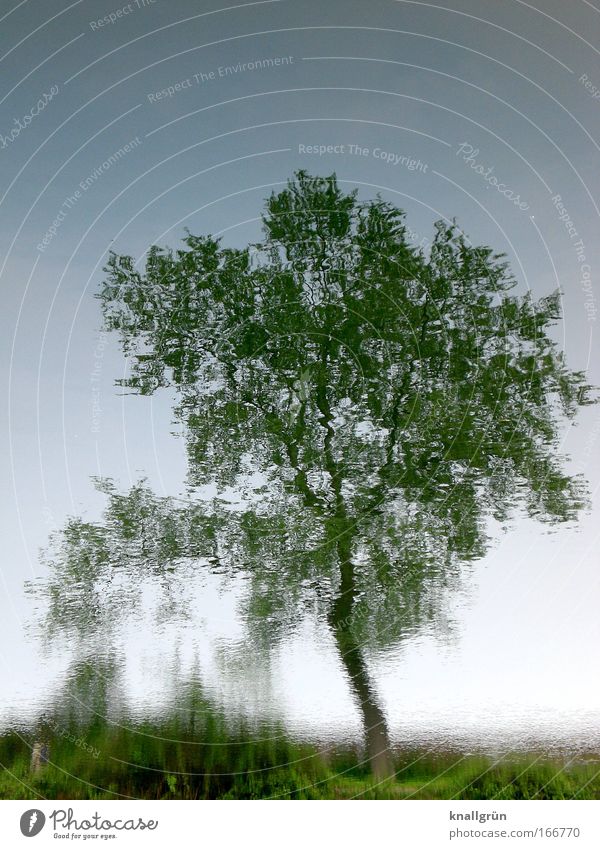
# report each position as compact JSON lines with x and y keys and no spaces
{"x":373,"y":408}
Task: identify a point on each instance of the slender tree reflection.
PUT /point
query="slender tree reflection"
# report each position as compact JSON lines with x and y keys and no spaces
{"x":356,"y":412}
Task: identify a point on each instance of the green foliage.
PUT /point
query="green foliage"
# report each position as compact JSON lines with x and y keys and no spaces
{"x":203,"y":757}
{"x":374,"y":405}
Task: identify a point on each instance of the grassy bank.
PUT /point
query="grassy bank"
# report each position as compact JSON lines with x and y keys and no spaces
{"x":174,"y":760}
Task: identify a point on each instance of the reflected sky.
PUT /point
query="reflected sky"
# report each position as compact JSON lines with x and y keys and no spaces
{"x":524,"y":630}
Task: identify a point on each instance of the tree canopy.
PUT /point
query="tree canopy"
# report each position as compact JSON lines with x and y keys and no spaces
{"x":373,"y":405}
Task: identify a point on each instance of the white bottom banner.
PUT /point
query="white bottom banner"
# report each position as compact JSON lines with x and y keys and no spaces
{"x":265,"y":824}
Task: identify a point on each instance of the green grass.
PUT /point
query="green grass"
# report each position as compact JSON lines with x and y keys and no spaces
{"x":204,"y":759}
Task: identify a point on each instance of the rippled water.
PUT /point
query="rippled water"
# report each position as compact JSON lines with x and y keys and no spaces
{"x":337,"y":561}
{"x":439,"y":691}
